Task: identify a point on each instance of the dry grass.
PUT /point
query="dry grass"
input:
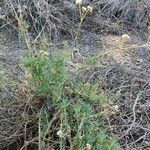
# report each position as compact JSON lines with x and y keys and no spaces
{"x":123,"y":75}
{"x":60,"y":18}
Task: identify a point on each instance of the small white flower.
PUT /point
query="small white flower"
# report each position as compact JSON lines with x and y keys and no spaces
{"x":89,"y":8}
{"x":78,"y":2}
{"x":125,"y":37}
{"x":84,"y":9}
{"x":43,"y":53}
{"x":2,"y":16}
{"x":20,"y":10}
{"x":116,"y":108}
{"x":60,"y":133}
{"x":88,"y":146}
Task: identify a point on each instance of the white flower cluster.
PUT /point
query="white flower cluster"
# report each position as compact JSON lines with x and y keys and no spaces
{"x":78,"y":2}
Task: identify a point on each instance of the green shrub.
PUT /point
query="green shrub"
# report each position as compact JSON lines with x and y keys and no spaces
{"x":79,"y":127}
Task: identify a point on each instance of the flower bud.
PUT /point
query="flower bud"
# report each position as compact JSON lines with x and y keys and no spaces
{"x":78,"y":2}
{"x":88,"y":146}
{"x":84,"y":9}
{"x":89,"y":8}
{"x":125,"y":37}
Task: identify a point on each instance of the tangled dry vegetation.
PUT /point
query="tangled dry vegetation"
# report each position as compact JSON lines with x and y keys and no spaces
{"x":57,"y":17}
{"x":120,"y":70}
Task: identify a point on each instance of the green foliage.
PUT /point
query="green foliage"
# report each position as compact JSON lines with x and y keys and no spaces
{"x":80,"y":126}
{"x":86,"y":130}
{"x":92,"y":92}
{"x":47,"y":74}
